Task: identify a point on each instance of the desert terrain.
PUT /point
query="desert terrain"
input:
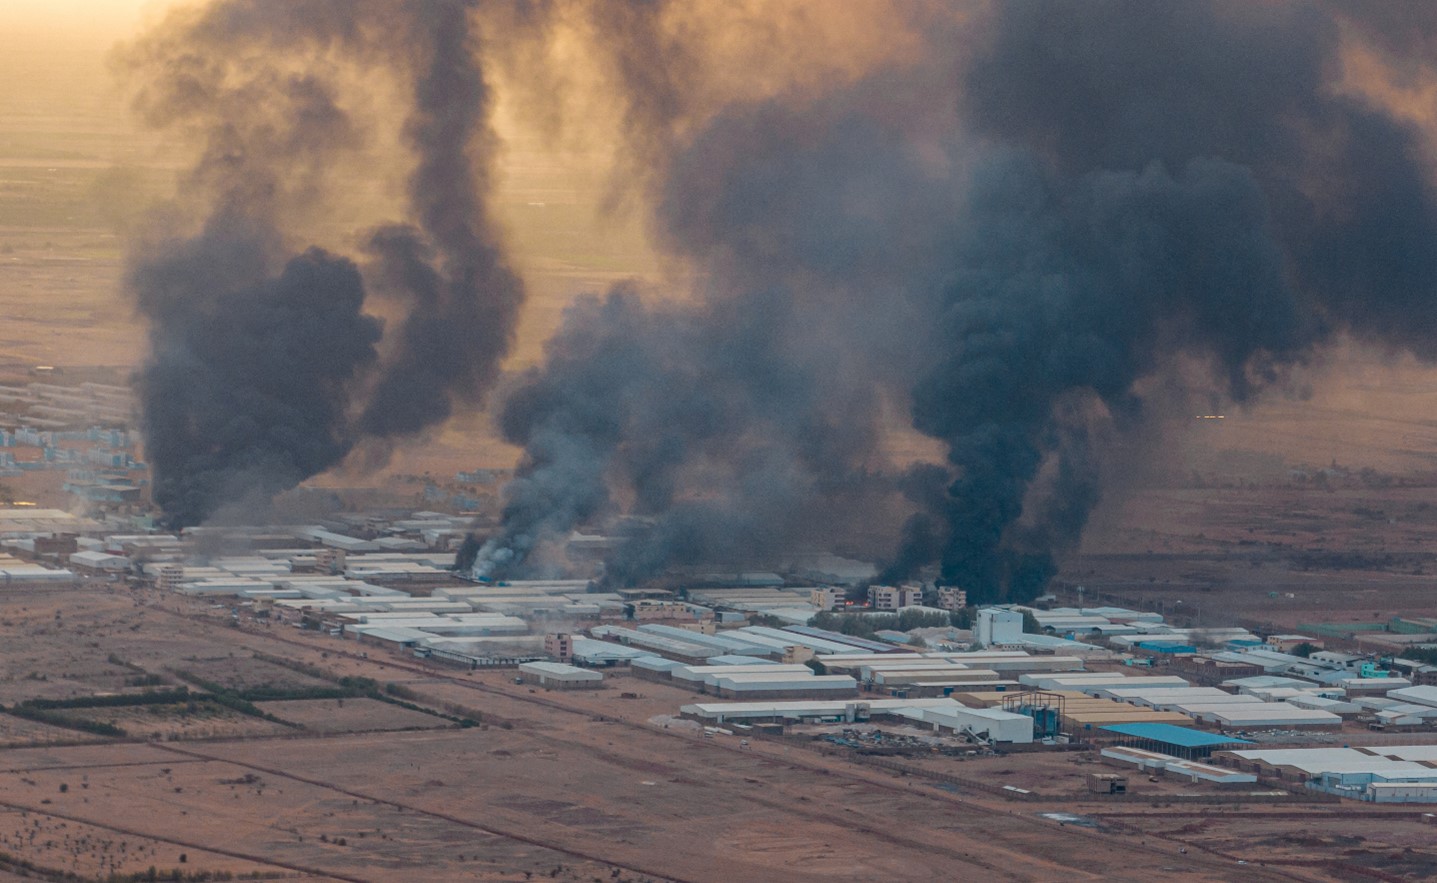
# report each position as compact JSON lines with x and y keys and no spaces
{"x":474,"y":777}
{"x":1299,"y":508}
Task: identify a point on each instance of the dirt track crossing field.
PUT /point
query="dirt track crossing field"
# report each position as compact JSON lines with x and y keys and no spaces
{"x":582,"y":786}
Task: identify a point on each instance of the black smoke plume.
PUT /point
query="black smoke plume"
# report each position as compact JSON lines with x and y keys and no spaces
{"x":465,"y":298}
{"x":1006,"y":237}
{"x":264,"y":369}
{"x":246,"y":393}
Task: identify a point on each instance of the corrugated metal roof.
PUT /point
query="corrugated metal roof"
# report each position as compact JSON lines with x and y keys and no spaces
{"x":1173,"y":735}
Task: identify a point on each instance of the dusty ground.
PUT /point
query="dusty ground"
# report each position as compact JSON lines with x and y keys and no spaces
{"x":580,"y":786}
{"x":349,"y":715}
{"x":1282,"y":556}
{"x":583,"y":782}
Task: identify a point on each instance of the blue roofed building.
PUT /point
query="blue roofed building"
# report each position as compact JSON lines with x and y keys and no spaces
{"x":1184,"y":742}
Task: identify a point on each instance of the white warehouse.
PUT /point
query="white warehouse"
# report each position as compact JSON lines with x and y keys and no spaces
{"x":557,"y":676}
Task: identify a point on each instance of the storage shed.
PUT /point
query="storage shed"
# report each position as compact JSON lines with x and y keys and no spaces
{"x":558,"y":676}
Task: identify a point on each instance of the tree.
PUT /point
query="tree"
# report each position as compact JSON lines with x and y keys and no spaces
{"x":1426,"y":655}
{"x":907,"y":620}
{"x":1305,"y":649}
{"x":768,"y":620}
{"x":962,"y":618}
{"x":1030,"y":624}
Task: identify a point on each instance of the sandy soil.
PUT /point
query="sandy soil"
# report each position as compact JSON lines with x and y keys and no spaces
{"x":584,"y":781}
{"x":350,"y":715}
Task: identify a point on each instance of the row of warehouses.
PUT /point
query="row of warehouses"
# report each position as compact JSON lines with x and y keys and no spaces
{"x":694,"y":646}
{"x":945,"y":716}
{"x":757,"y":680}
{"x":1171,"y":696}
{"x":1375,"y":773}
{"x":1052,"y":691}
{"x":983,"y":692}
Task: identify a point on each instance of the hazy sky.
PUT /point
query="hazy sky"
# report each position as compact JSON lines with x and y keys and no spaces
{"x":113,"y":19}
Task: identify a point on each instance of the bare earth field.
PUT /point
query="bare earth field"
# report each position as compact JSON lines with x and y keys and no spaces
{"x":349,"y":715}
{"x":580,"y":785}
{"x":1282,"y":553}
{"x":1323,"y":508}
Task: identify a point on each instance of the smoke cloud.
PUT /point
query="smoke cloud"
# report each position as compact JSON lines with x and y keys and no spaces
{"x":264,"y":368}
{"x":1006,"y":237}
{"x":465,"y":298}
{"x":1004,"y":229}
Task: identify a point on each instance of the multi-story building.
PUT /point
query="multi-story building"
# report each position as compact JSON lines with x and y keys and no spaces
{"x":952,"y":598}
{"x":560,"y":646}
{"x":895,"y":597}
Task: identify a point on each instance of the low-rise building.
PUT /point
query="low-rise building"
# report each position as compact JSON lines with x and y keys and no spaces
{"x":560,"y":646}
{"x":1288,"y":643}
{"x":557,"y":676}
{"x":998,"y":627}
{"x":99,"y":562}
{"x":826,"y":597}
{"x":952,"y":598}
{"x":894,"y":597}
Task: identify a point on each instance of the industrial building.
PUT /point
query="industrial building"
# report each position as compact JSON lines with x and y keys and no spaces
{"x":1005,"y":662}
{"x":1180,"y":742}
{"x":942,"y":715}
{"x":13,"y":570}
{"x":1157,"y":763}
{"x":1378,"y":774}
{"x":702,"y":678}
{"x":998,"y":627}
{"x":1074,"y":713}
{"x":783,"y":685}
{"x":558,"y":676}
{"x":606,"y":654}
{"x":991,"y":724}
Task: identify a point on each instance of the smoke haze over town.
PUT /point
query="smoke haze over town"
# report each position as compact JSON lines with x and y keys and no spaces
{"x":712,"y":440}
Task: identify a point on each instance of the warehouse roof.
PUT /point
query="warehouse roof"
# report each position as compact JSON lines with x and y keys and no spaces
{"x":1173,"y":735}
{"x":558,"y":669}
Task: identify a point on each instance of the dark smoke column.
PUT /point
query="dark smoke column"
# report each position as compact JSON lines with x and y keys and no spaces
{"x":244,"y":395}
{"x":465,"y":298}
{"x":1011,"y":232}
{"x":264,"y":368}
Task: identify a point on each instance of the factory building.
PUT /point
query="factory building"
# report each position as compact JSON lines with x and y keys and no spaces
{"x":703,"y":678}
{"x":606,"y":654}
{"x":894,"y":597}
{"x":99,"y":562}
{"x":557,"y":676}
{"x":13,"y":570}
{"x":943,"y":715}
{"x":862,"y":644}
{"x":757,"y":680}
{"x":999,"y":627}
{"x":1415,"y":695}
{"x":1377,"y":774}
{"x":1069,"y":712}
{"x":990,"y":724}
{"x":762,"y":685}
{"x":1179,"y":742}
{"x":1157,"y":763}
{"x":1288,"y":643}
{"x":1006,"y":662}
{"x":952,"y":598}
